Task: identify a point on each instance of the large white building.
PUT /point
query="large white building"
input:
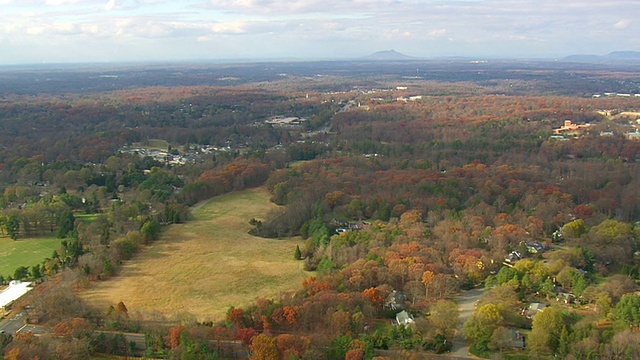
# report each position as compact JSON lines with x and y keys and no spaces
{"x":12,"y":293}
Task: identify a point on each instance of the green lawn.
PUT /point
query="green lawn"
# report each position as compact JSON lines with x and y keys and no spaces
{"x":86,"y":217}
{"x":24,"y":252}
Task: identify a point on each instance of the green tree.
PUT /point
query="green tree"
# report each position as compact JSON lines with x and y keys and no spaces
{"x":481,"y":325}
{"x":151,"y":230}
{"x":65,"y":221}
{"x":21,"y":273}
{"x":36,"y":271}
{"x":107,"y":267}
{"x":444,"y":317}
{"x":501,"y":339}
{"x":546,"y":330}
{"x":339,"y":347}
{"x":12,"y":225}
{"x":505,"y":274}
{"x":297,"y":254}
{"x":628,"y":309}
{"x":564,"y":345}
{"x":573,"y":229}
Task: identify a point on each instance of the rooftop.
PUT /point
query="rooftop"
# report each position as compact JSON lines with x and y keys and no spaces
{"x":15,"y":290}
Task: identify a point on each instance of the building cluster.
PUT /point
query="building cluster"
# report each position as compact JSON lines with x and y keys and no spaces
{"x":288,"y":121}
{"x":570,"y":128}
{"x":410,"y":98}
{"x":609,"y":94}
{"x":162,"y":156}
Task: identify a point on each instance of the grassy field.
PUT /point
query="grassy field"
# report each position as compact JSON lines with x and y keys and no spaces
{"x":86,"y":217}
{"x":206,"y":265}
{"x":24,"y":252}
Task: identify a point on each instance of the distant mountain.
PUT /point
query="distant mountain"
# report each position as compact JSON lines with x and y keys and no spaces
{"x":389,"y":55}
{"x":616,"y":56}
{"x":624,"y":55}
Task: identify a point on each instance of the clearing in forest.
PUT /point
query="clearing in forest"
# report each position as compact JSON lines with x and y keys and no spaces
{"x":206,"y":265}
{"x":25,"y":252}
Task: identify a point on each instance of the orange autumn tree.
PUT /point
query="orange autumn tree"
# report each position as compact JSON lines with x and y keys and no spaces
{"x":174,"y":336}
{"x":374,"y":296}
{"x":263,"y":347}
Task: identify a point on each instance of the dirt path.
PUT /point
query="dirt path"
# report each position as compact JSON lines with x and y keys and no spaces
{"x":466,"y":303}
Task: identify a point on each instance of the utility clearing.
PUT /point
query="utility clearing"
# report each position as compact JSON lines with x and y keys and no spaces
{"x":207,"y":265}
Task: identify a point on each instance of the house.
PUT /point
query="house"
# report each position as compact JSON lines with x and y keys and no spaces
{"x":396,"y":300}
{"x":533,"y":309}
{"x":564,"y":296}
{"x":518,"y":339}
{"x":513,"y":257}
{"x":535,"y":247}
{"x":403,"y":318}
{"x":633,"y":135}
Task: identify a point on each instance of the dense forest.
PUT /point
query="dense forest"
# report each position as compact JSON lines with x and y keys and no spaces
{"x":407,"y":191}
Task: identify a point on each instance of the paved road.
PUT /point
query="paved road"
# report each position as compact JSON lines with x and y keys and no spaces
{"x":13,"y":324}
{"x":466,"y":303}
{"x":16,"y":324}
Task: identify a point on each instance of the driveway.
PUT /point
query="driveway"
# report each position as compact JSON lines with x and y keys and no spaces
{"x":466,"y":303}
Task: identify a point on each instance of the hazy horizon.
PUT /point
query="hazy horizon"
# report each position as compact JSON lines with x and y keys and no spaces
{"x":117,"y":31}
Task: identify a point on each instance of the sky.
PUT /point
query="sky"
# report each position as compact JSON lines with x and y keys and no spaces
{"x":72,"y":31}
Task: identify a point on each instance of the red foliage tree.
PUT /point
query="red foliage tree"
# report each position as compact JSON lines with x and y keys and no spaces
{"x":245,"y":335}
{"x":236,"y":316}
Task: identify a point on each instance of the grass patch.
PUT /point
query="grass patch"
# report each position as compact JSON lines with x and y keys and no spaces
{"x":24,"y":252}
{"x":86,"y":217}
{"x":206,"y":265}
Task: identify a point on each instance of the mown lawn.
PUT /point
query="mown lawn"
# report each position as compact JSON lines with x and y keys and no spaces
{"x":206,"y":265}
{"x":86,"y":217}
{"x":24,"y":252}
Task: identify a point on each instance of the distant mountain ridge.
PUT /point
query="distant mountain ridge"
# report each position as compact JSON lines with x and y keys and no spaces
{"x":616,"y":56}
{"x":389,"y":55}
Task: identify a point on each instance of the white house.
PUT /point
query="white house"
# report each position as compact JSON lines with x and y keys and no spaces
{"x":404,"y":318}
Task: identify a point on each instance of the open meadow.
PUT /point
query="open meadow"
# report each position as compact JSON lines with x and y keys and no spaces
{"x":24,"y":252}
{"x":206,"y":265}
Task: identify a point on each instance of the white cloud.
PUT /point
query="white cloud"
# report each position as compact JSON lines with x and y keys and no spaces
{"x":437,"y":33}
{"x":233,"y":27}
{"x":622,"y":24}
{"x":110,"y":5}
{"x":61,"y":2}
{"x":318,"y":26}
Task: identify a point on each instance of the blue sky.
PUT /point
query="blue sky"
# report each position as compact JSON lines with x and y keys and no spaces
{"x":53,"y":31}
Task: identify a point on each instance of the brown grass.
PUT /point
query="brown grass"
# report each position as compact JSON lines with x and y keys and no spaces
{"x":206,"y":265}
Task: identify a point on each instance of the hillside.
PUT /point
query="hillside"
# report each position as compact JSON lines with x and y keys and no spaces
{"x":205,"y":266}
